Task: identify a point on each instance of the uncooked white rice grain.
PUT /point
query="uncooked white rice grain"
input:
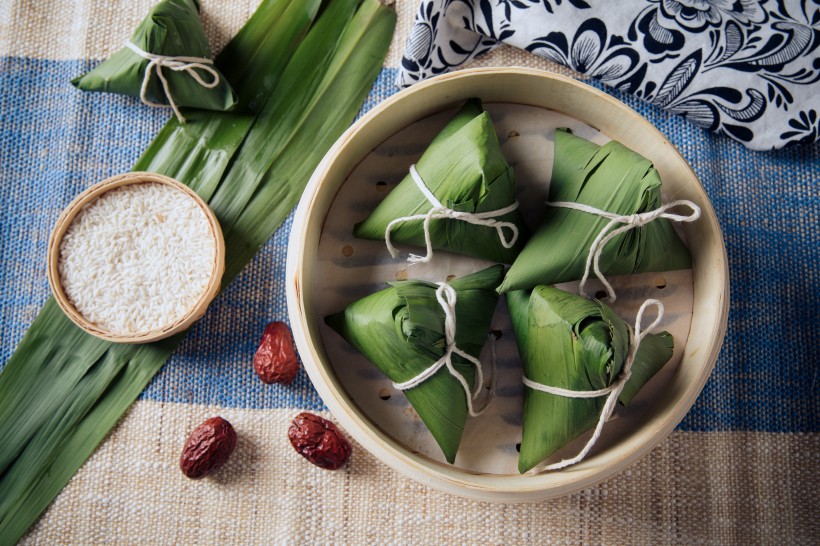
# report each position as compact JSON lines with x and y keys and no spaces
{"x":137,"y":258}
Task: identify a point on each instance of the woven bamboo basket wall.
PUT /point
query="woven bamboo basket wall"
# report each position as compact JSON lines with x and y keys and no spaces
{"x":313,"y":276}
{"x":89,"y":196}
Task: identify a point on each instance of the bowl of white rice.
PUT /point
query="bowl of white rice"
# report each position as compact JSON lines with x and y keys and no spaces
{"x":136,"y":258}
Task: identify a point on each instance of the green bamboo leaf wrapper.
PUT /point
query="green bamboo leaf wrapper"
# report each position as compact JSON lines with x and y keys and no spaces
{"x":401,"y":330}
{"x":209,"y":139}
{"x":466,"y":171}
{"x":569,"y":342}
{"x":63,"y":390}
{"x":172,"y":29}
{"x":611,"y":178}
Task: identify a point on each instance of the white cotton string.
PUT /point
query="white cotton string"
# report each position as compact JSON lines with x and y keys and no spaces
{"x":178,"y":64}
{"x":440,"y":211}
{"x":612,"y":392}
{"x":446,"y":296}
{"x":630,"y":221}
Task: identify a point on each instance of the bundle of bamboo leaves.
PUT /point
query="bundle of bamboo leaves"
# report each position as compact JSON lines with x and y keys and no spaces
{"x":301,"y":70}
{"x":401,"y":329}
{"x":173,"y":30}
{"x":464,"y":170}
{"x":613,"y":179}
{"x":570,"y":342}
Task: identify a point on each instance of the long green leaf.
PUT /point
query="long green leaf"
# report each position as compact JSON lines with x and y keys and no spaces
{"x":52,"y":358}
{"x":284,"y":110}
{"x":66,"y":440}
{"x":99,"y":381}
{"x":349,"y":77}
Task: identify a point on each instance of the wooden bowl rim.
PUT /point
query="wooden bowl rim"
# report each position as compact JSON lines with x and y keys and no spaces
{"x":491,"y":487}
{"x":91,"y":194}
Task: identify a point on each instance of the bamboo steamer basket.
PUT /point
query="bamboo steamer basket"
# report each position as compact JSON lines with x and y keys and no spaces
{"x":552,"y":92}
{"x":90,"y":195}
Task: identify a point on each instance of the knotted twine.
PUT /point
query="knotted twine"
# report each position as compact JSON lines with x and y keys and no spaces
{"x":630,"y":221}
{"x":446,"y":296}
{"x":439,"y":211}
{"x":178,"y":64}
{"x":613,"y":391}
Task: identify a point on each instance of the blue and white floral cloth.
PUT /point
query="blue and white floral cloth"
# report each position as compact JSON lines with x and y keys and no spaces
{"x":746,"y":69}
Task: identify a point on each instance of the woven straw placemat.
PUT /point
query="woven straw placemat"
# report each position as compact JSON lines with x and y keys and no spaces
{"x":741,"y":468}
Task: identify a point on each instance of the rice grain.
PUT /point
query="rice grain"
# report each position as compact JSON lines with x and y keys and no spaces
{"x":137,"y":258}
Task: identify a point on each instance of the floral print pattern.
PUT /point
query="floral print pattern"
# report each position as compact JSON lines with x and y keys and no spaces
{"x":747,"y":69}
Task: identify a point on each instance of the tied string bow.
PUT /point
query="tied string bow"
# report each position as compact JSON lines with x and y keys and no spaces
{"x":612,"y":392}
{"x":439,"y":211}
{"x":190,"y":65}
{"x":629,"y":221}
{"x":446,"y":296}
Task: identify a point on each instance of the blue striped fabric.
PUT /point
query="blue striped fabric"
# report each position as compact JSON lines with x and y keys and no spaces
{"x":55,"y":141}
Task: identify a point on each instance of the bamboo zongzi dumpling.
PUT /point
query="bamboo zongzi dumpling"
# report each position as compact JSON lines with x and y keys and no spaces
{"x":572,"y":343}
{"x":171,"y":30}
{"x":401,"y":329}
{"x":609,"y":178}
{"x":464,"y":169}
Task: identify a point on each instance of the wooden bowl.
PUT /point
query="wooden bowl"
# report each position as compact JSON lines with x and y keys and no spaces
{"x":91,"y":194}
{"x":384,"y":137}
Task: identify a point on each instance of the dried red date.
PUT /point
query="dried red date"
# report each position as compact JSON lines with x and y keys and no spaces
{"x":275,"y":359}
{"x":208,"y":447}
{"x":319,"y":441}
